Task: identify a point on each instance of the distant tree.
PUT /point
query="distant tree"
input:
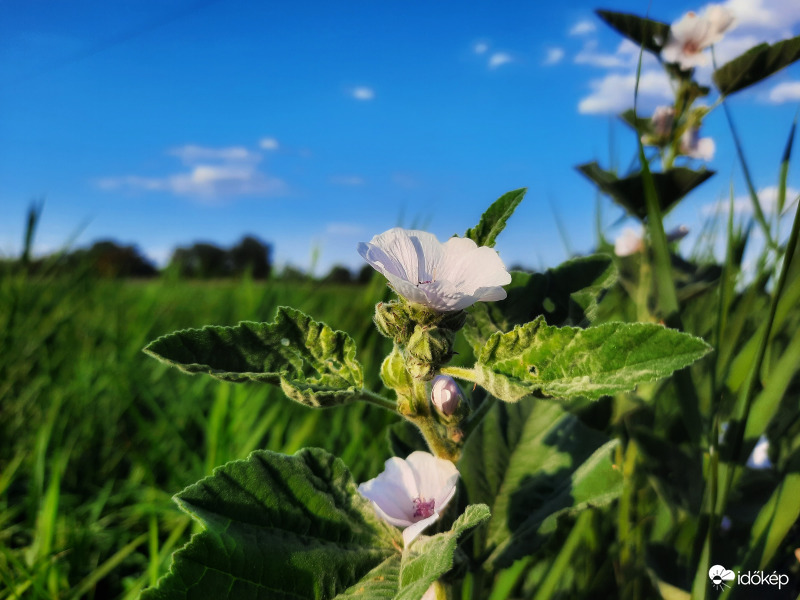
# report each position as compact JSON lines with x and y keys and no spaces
{"x":202,"y":260}
{"x":365,"y":274}
{"x":106,"y":258}
{"x":339,"y":275}
{"x":253,"y":255}
{"x":290,"y":273}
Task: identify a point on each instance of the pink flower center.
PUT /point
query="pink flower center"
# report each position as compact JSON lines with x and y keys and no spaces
{"x":691,"y":47}
{"x":422,"y":508}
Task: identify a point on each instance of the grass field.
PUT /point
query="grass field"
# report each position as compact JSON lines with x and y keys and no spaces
{"x":96,"y":437}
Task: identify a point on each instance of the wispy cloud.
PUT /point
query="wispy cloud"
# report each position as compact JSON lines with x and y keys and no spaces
{"x":362,"y":93}
{"x":553,"y":56}
{"x":498,"y":59}
{"x":480,"y":47}
{"x":743,"y":205}
{"x":582,"y":27}
{"x":351,"y":180}
{"x":213,"y":174}
{"x":268,"y":143}
{"x":614,"y":92}
{"x":787,"y":91}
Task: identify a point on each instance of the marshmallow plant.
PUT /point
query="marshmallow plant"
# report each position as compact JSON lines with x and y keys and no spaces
{"x":504,"y":452}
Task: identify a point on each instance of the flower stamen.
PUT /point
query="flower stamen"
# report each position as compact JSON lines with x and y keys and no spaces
{"x":422,"y":508}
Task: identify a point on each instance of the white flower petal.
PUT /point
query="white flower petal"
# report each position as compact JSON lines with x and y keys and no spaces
{"x":436,"y":477}
{"x":445,"y":277}
{"x":411,"y":532}
{"x":629,"y":242}
{"x":393,"y":491}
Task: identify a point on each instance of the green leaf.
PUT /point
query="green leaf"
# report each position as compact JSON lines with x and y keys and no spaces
{"x":538,"y":359}
{"x":652,"y":35}
{"x":671,"y":186}
{"x":756,"y":64}
{"x":278,"y":526}
{"x":565,"y":295}
{"x":533,"y":462}
{"x":493,"y":221}
{"x":431,"y":557}
{"x":312,"y":363}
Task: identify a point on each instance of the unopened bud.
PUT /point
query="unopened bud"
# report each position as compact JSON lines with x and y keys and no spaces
{"x":428,"y":349}
{"x":445,"y":394}
{"x":393,"y":321}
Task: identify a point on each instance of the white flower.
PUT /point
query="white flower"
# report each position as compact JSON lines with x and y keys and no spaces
{"x":693,"y":33}
{"x":445,"y":277}
{"x":663,"y":116}
{"x":445,"y":394}
{"x":629,"y":242}
{"x":759,"y":458}
{"x":693,"y":146}
{"x":411,"y":493}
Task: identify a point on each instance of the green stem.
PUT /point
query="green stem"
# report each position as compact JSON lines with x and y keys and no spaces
{"x":459,"y":372}
{"x":377,"y":399}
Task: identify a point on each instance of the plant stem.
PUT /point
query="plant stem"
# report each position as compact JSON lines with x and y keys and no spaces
{"x":377,"y":399}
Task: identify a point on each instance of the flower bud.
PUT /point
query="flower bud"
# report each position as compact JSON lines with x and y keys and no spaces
{"x":445,"y":394}
{"x":428,"y":349}
{"x":393,"y":321}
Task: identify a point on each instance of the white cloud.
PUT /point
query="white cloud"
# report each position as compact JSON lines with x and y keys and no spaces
{"x":787,"y":91}
{"x":214,"y":173}
{"x":362,"y":93}
{"x":743,"y":205}
{"x":614,"y":92}
{"x":625,"y":56}
{"x":191,"y":154}
{"x":499,"y":58}
{"x":351,"y":180}
{"x":269,"y":143}
{"x":480,"y":48}
{"x":554,"y":56}
{"x":775,"y":15}
{"x":582,"y":28}
{"x":343,"y":229}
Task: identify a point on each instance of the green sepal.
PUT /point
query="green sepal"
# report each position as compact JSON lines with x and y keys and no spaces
{"x":756,"y":64}
{"x":312,"y":363}
{"x":567,"y":362}
{"x":493,"y":221}
{"x":628,"y":192}
{"x":395,"y":375}
{"x":646,"y":33}
{"x":565,"y":295}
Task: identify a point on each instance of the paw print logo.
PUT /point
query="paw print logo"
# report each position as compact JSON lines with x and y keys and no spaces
{"x":719,"y":575}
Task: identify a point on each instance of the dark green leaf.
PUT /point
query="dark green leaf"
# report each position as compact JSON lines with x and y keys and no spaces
{"x":635,"y":122}
{"x":565,"y":295}
{"x":532,"y":462}
{"x":404,"y":438}
{"x":566,"y":362}
{"x":278,"y":527}
{"x":493,"y":221}
{"x":756,"y":64}
{"x":671,"y":186}
{"x":643,"y":32}
{"x":312,"y":363}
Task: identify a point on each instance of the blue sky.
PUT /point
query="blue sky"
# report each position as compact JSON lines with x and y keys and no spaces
{"x":319,"y":124}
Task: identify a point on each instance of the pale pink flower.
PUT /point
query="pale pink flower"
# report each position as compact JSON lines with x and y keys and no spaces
{"x":662,"y":119}
{"x":411,"y":493}
{"x":693,"y":146}
{"x":445,"y":277}
{"x":629,"y":242}
{"x":693,"y":33}
{"x":445,"y":394}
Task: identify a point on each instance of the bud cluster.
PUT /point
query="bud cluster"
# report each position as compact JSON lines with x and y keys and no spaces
{"x":427,"y":336}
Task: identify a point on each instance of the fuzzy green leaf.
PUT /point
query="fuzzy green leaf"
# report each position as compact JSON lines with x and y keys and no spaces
{"x":652,"y":35}
{"x":493,"y":221}
{"x":565,"y":295}
{"x":277,"y":526}
{"x":671,"y":186}
{"x":756,"y":64}
{"x":538,"y":359}
{"x":312,"y":363}
{"x":533,"y":462}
